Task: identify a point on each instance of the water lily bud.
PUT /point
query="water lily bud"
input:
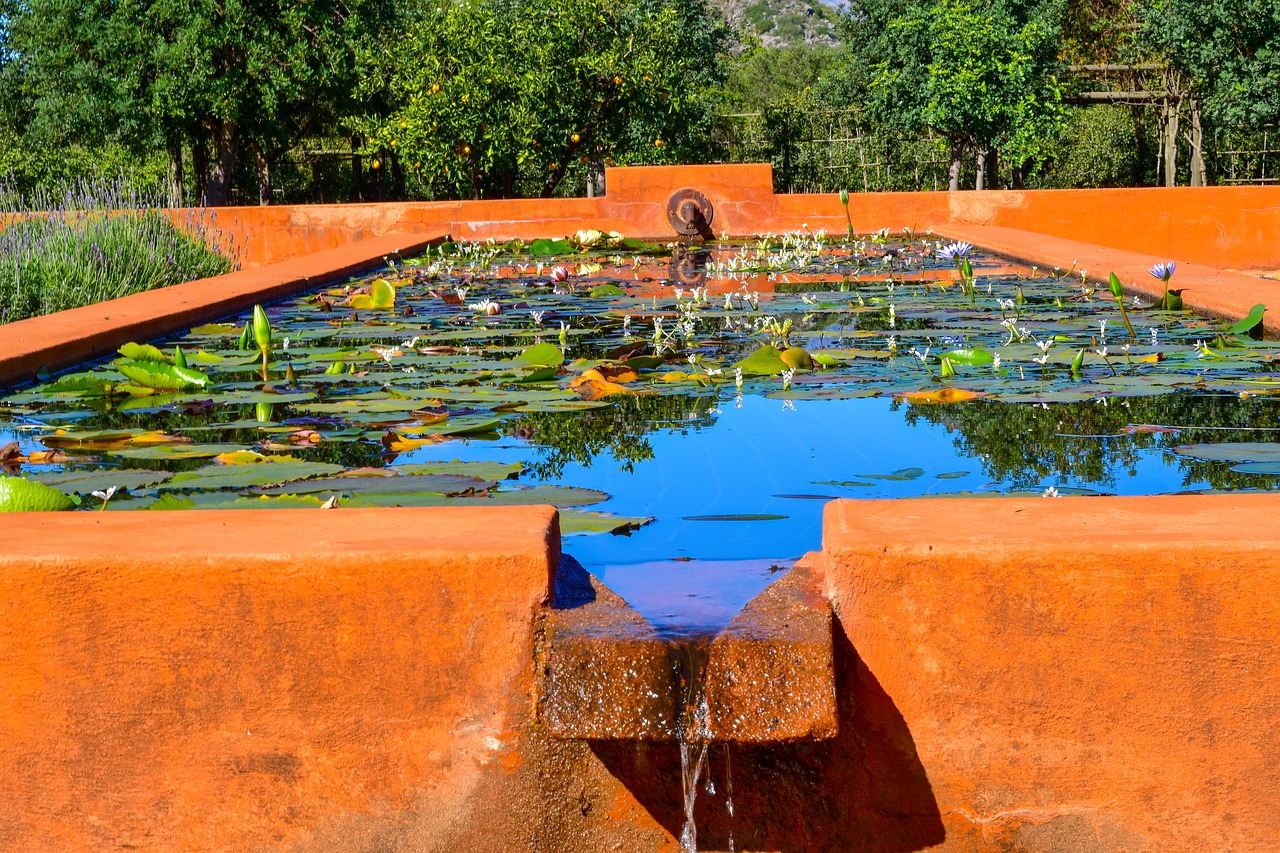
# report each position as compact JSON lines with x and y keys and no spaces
{"x":246,"y":335}
{"x":261,"y":328}
{"x":1117,"y":289}
{"x":179,"y":358}
{"x":1077,"y":362}
{"x":844,"y":197}
{"x":263,"y":413}
{"x":336,"y":368}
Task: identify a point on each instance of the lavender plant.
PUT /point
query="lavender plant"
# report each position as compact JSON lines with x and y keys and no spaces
{"x":97,"y":240}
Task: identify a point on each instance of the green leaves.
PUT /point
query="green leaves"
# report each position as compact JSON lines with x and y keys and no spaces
{"x":1250,"y":324}
{"x":163,"y":377}
{"x":542,"y":355}
{"x":19,"y":495}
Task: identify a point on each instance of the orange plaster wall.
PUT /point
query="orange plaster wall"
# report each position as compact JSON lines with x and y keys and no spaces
{"x":227,"y":680}
{"x":1075,"y":673}
{"x":1224,"y":227}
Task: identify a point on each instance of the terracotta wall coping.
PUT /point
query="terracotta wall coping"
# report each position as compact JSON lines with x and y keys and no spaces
{"x":1209,"y":290}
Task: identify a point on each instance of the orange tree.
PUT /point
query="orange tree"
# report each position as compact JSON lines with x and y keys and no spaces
{"x":496,"y":98}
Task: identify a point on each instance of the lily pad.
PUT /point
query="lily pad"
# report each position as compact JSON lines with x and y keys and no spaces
{"x":541,"y":355}
{"x":1240,"y":451}
{"x":577,"y":521}
{"x":101,"y":479}
{"x":19,"y":495}
{"x":164,"y":377}
{"x":220,"y":476}
{"x":899,"y":475}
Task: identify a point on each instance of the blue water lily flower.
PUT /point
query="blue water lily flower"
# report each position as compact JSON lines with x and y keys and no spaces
{"x":955,"y":251}
{"x":1164,"y":270}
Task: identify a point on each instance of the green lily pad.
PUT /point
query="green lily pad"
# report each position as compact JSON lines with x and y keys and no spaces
{"x":405,"y":484}
{"x":1242,"y":451}
{"x":577,"y":521}
{"x":85,"y":482}
{"x":480,"y":470}
{"x":766,"y":361}
{"x":541,"y":355}
{"x":900,"y":474}
{"x":601,"y":291}
{"x":163,"y":377}
{"x":551,"y":247}
{"x":145,"y":352}
{"x":19,"y":495}
{"x":176,"y":451}
{"x":220,"y":476}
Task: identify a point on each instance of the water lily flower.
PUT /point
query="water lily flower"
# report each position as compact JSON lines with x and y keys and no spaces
{"x":955,"y":251}
{"x":537,"y":316}
{"x":559,"y":274}
{"x":488,"y":307}
{"x":1051,"y":492}
{"x":1164,"y":270}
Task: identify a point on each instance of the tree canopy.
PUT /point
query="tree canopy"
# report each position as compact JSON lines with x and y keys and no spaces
{"x":492,"y":97}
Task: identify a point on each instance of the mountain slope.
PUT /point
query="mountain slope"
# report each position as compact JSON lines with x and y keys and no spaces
{"x":779,"y":23}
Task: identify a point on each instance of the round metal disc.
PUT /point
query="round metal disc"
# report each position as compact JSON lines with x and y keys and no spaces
{"x":690,"y":212}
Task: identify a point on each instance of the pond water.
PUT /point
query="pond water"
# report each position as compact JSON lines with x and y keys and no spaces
{"x":689,"y":413}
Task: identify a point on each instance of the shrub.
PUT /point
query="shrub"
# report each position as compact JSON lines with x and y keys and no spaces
{"x":96,"y":241}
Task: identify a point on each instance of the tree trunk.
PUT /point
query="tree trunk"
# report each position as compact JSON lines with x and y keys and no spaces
{"x":175,"y":175}
{"x":226,"y":148}
{"x":262,"y":171}
{"x":200,"y":165}
{"x":953,"y":171}
{"x":1140,"y":135}
{"x":1196,"y":138}
{"x":317,"y":181}
{"x":993,"y":169}
{"x":980,"y":182}
{"x":397,"y":177}
{"x":357,"y":172}
{"x":1169,"y":142}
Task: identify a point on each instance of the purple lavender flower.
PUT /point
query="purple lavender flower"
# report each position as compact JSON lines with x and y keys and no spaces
{"x":1164,"y":270}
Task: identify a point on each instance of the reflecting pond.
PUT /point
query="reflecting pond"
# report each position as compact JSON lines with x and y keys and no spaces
{"x":690,"y":411}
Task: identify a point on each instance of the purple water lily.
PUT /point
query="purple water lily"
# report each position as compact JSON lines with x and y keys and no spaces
{"x":1164,"y":270}
{"x":955,"y":251}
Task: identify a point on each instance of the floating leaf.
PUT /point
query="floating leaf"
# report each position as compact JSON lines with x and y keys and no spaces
{"x":84,"y":482}
{"x":144,"y":352}
{"x":220,"y":476}
{"x":603,"y":290}
{"x":542,"y":355}
{"x":165,"y":377}
{"x":795,"y":358}
{"x":970,"y":357}
{"x":577,"y":521}
{"x":550,"y":247}
{"x":1250,"y":324}
{"x":19,"y":495}
{"x":1235,"y":451}
{"x":942,"y":395}
{"x":766,"y":361}
{"x":900,"y":474}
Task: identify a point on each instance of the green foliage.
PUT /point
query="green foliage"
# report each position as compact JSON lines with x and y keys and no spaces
{"x":78,"y":254}
{"x":160,"y":75}
{"x":495,"y":98}
{"x":1097,"y":147}
{"x":1230,"y":50}
{"x":765,"y":77}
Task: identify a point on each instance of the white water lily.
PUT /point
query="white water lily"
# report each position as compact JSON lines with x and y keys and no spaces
{"x":1050,"y":492}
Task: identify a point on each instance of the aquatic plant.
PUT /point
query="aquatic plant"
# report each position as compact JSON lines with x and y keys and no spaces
{"x":98,"y":240}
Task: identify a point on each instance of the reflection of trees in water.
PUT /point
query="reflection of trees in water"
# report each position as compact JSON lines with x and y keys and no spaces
{"x":1021,"y":443}
{"x":619,"y":429}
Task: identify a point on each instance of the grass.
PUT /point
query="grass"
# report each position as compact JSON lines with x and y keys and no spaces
{"x":98,"y":240}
